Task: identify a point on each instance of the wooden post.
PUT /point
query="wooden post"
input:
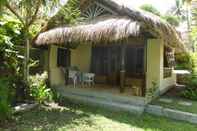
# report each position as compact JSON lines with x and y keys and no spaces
{"x":143,"y":92}
{"x":122,"y":69}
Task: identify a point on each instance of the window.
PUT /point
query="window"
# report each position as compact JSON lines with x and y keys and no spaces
{"x":140,"y":60}
{"x":99,"y":62}
{"x":63,"y":57}
{"x":169,"y":61}
{"x":106,"y":60}
{"x":94,"y":10}
{"x":134,"y":60}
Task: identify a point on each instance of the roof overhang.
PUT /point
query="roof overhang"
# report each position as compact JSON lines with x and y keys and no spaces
{"x":99,"y":31}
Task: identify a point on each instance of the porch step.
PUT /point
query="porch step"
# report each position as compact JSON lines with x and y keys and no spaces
{"x":104,"y":103}
{"x":132,"y":100}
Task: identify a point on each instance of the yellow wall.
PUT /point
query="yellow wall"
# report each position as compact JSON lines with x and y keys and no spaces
{"x":155,"y":52}
{"x":56,"y":74}
{"x":81,"y":57}
{"x":167,"y":83}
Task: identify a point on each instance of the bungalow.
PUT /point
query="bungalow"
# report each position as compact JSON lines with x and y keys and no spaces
{"x":130,"y":51}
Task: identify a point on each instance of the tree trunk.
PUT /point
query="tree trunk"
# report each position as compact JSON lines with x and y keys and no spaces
{"x":26,"y":60}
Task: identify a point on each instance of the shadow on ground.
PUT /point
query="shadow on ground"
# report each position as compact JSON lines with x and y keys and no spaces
{"x":86,"y":118}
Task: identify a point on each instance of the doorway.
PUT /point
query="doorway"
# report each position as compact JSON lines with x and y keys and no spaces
{"x":106,"y":63}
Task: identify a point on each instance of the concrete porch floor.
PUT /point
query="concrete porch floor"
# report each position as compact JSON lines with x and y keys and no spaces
{"x":103,"y":88}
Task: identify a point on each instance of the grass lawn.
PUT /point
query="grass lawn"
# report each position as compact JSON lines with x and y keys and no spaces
{"x":175,"y":105}
{"x":83,"y":118}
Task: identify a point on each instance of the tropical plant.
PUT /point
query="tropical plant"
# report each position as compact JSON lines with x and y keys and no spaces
{"x":38,"y":88}
{"x":173,"y":20}
{"x":5,"y":94}
{"x":178,"y":10}
{"x":184,"y":62}
{"x":187,"y":61}
{"x":182,"y":10}
{"x":191,"y":87}
{"x":150,"y":8}
{"x":68,"y":15}
{"x":28,"y":12}
{"x":194,"y":28}
{"x":11,"y":60}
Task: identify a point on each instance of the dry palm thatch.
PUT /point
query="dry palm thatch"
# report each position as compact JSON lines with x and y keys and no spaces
{"x":135,"y":23}
{"x":152,"y":23}
{"x":100,"y":30}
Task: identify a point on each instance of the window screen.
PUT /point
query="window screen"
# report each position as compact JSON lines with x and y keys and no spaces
{"x":134,"y":60}
{"x":63,"y":57}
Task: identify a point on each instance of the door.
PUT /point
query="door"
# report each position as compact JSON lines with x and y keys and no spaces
{"x":106,"y":62}
{"x":113,"y":65}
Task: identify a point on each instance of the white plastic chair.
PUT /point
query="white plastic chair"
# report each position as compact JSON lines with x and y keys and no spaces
{"x":88,"y":78}
{"x":73,"y":76}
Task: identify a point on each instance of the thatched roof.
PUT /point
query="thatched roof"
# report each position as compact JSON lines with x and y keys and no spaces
{"x":129,"y":22}
{"x":106,"y":29}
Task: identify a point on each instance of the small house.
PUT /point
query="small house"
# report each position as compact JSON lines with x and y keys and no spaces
{"x":130,"y":51}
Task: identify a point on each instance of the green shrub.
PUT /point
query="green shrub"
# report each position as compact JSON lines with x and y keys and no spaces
{"x":191,"y":88}
{"x":194,"y":62}
{"x":56,"y":96}
{"x":5,"y":103}
{"x":38,"y":88}
{"x":184,"y":62}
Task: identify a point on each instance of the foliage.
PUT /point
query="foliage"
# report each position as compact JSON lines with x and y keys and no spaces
{"x":11,"y":60}
{"x":38,"y":88}
{"x":191,"y":87}
{"x":10,"y":26}
{"x":57,"y":97}
{"x":185,"y":62}
{"x":189,"y":62}
{"x":191,"y":82}
{"x":194,"y":62}
{"x":151,"y":9}
{"x":5,"y":94}
{"x":28,"y":12}
{"x":68,"y":15}
{"x":178,"y":10}
{"x":173,"y":20}
{"x":194,"y":28}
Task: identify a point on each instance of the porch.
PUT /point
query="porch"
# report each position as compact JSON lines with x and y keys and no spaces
{"x":134,"y":72}
{"x":117,"y":67}
{"x":108,"y":98}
